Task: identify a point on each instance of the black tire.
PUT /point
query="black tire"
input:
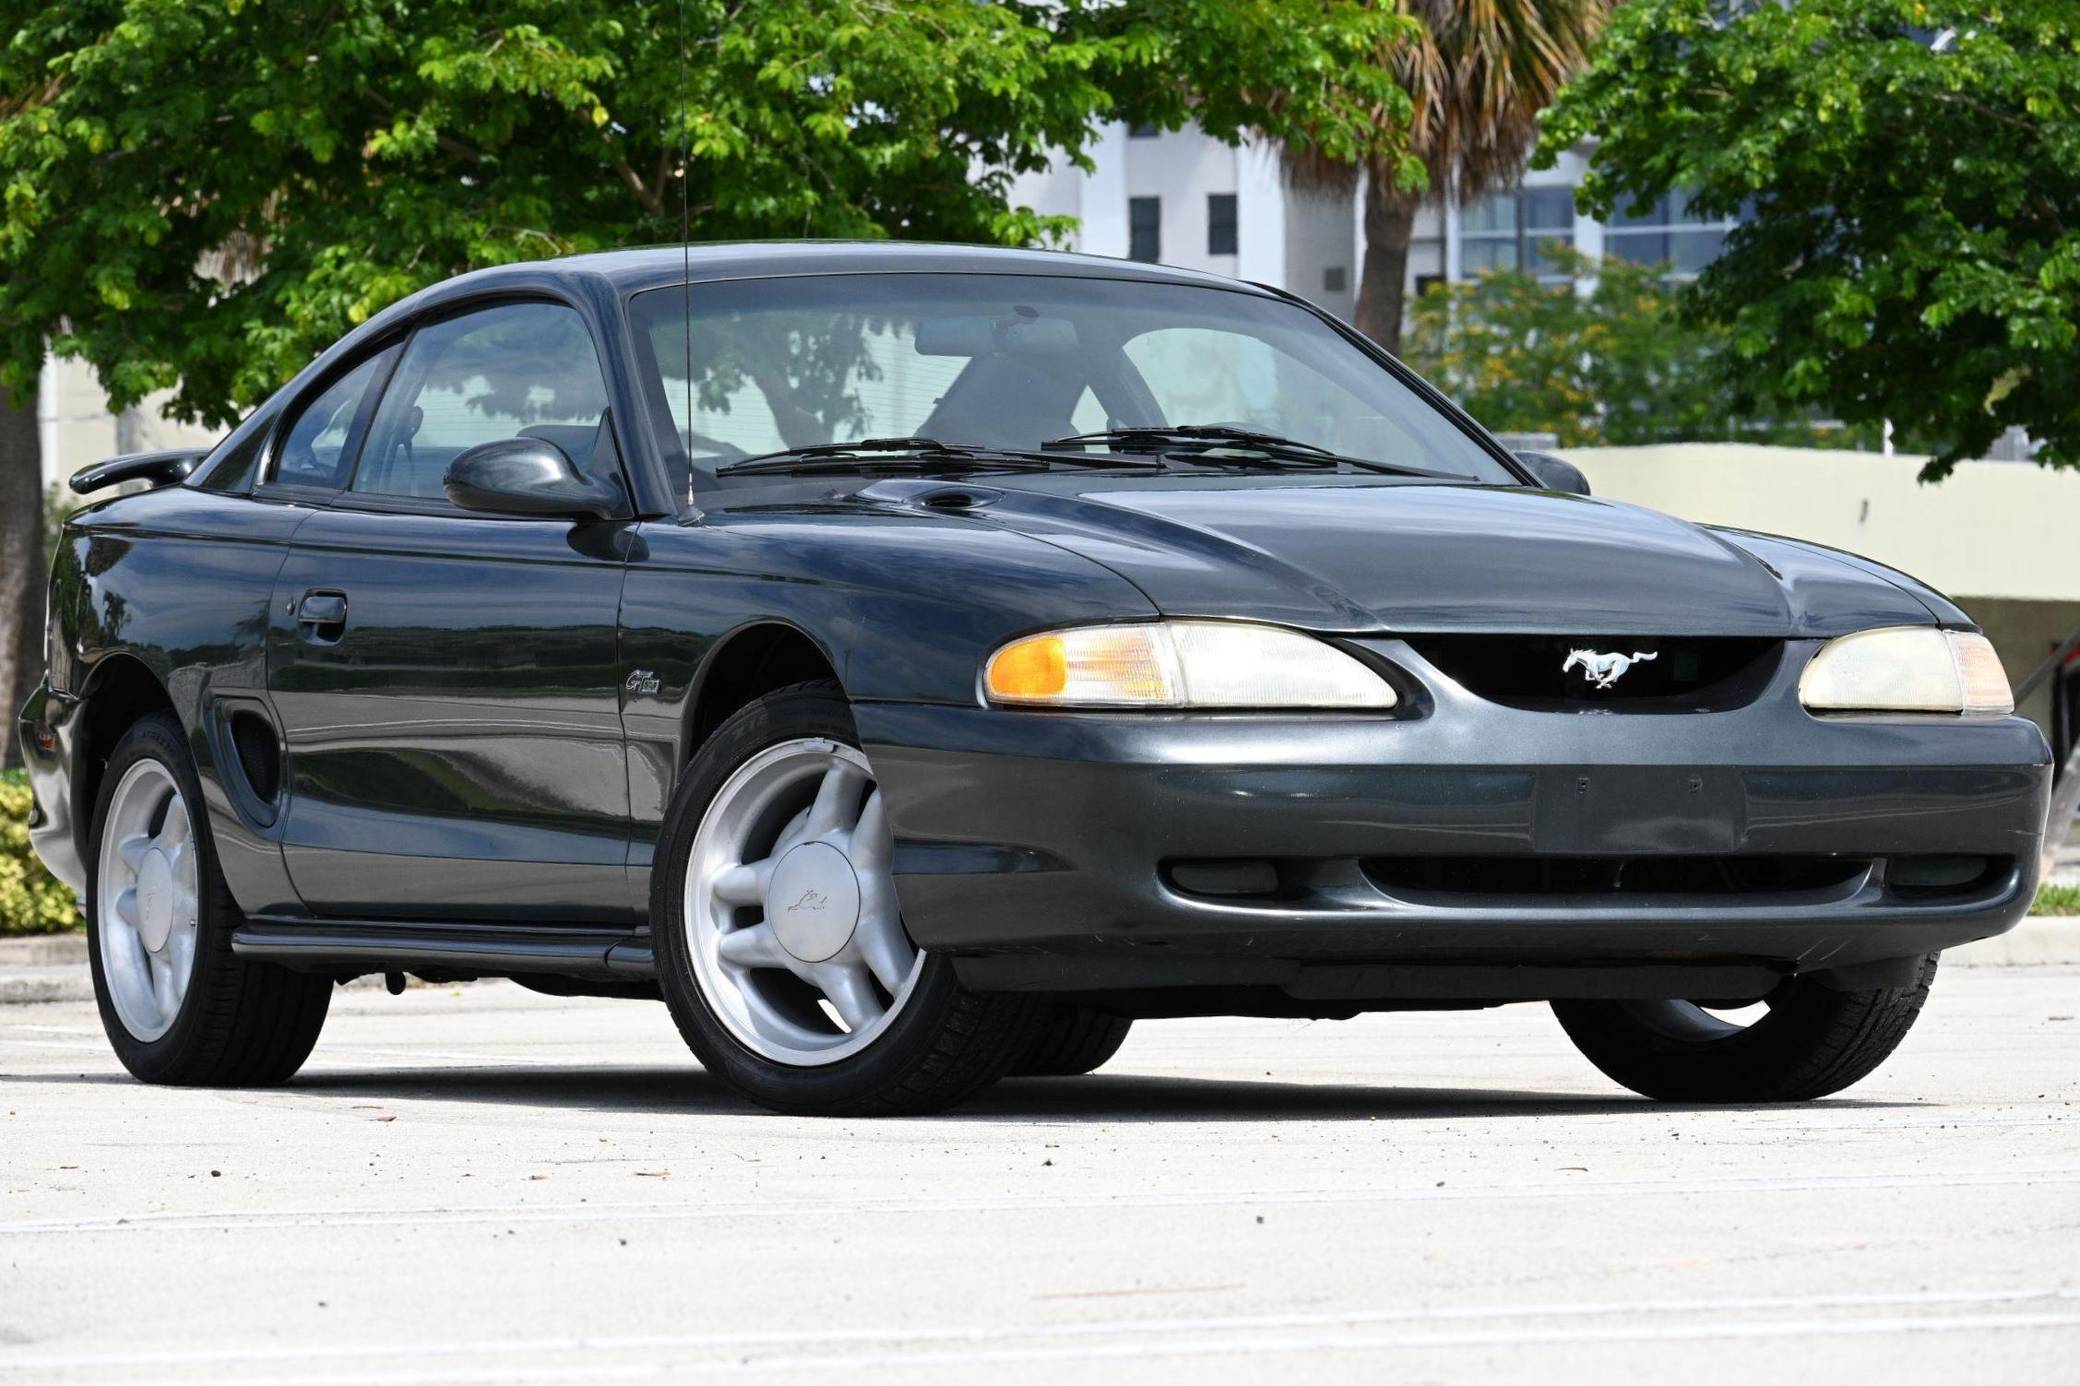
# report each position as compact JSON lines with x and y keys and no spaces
{"x":1813,"y":1041}
{"x":944,"y":1046}
{"x":241,"y":1024}
{"x":1072,"y":1040}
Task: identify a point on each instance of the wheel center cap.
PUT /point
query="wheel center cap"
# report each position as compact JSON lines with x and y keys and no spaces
{"x":812,"y":901}
{"x":154,"y":901}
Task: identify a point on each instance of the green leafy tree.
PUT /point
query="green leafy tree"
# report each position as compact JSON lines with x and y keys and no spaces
{"x":196,"y":195}
{"x":1478,"y":73}
{"x":1614,"y":365}
{"x":1910,"y":170}
{"x":200,"y":193}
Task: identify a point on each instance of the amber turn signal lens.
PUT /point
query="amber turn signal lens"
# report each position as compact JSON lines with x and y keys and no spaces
{"x":1036,"y":667}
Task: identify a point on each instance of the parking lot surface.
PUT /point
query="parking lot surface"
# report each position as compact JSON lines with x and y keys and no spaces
{"x":482,"y":1184}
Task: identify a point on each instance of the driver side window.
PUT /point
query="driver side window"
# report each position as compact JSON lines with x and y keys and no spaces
{"x":514,"y":370}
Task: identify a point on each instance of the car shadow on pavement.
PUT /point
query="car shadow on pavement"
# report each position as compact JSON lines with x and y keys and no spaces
{"x":1128,"y":1097}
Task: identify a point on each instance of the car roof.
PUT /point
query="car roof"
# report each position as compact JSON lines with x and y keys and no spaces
{"x":654,"y":266}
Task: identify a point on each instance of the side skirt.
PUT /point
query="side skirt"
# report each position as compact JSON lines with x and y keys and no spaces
{"x":350,"y":947}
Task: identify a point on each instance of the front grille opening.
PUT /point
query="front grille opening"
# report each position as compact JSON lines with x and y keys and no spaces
{"x":1713,"y":875}
{"x":1686,"y":674}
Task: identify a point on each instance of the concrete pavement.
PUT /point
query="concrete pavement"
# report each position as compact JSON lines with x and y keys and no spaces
{"x":479,"y":1184}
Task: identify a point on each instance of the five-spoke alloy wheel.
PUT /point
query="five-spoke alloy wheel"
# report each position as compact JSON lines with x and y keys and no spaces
{"x":178,"y":1005}
{"x":790,"y":906}
{"x":779,"y":938}
{"x":148,"y":904}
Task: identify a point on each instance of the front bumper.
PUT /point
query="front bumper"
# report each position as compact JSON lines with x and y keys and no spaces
{"x":1041,"y":849}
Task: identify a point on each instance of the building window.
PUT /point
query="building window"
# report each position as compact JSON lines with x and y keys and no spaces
{"x":1666,"y":233}
{"x":1488,"y":235}
{"x":1548,"y":220}
{"x":1335,"y":279}
{"x":1143,"y":130}
{"x":1220,"y":224}
{"x":1517,"y":230}
{"x":1145,"y":229}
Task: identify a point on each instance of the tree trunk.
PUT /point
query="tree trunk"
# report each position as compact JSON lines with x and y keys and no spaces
{"x":1390,"y":223}
{"x":22,"y":571}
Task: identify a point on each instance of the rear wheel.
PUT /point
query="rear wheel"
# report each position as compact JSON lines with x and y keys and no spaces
{"x":1072,"y":1040}
{"x":780,"y":943}
{"x":178,"y":1005}
{"x":1808,"y":1041}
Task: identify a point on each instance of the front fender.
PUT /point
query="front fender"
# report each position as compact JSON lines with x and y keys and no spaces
{"x":904,"y":605}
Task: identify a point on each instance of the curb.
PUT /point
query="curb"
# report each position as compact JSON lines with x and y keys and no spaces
{"x":43,"y":950}
{"x":21,"y":986}
{"x":49,"y":967}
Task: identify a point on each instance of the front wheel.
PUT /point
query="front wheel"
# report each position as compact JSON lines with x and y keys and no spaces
{"x":178,"y":1005}
{"x":1810,"y":1040}
{"x":780,"y":944}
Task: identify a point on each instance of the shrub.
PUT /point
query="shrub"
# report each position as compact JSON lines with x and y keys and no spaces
{"x":32,"y":901}
{"x":2057,"y":899}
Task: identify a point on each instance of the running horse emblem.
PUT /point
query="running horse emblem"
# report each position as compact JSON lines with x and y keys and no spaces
{"x":1605,"y":668}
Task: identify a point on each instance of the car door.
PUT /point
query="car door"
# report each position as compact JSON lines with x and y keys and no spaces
{"x":447,"y":679}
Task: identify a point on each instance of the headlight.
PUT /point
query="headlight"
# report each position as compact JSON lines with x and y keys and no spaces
{"x":1907,"y":669}
{"x":1180,"y":664}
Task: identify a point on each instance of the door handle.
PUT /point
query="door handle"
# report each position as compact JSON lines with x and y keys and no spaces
{"x":321,"y":617}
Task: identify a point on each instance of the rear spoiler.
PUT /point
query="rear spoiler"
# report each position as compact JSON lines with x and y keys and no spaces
{"x":155,"y":468}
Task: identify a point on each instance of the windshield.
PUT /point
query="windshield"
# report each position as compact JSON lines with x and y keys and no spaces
{"x":1012,"y":361}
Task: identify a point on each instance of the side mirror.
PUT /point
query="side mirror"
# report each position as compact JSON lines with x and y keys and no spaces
{"x":1555,"y":473}
{"x":527,"y":476}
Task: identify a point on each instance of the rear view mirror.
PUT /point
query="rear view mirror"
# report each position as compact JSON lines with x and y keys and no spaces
{"x":526,"y":476}
{"x":1555,"y":473}
{"x":1014,"y":335}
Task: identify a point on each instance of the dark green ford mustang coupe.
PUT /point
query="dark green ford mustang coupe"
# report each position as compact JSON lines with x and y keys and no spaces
{"x":915,"y":664}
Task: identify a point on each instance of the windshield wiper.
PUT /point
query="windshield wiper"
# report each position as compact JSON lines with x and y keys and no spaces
{"x":912,"y":454}
{"x":1193,"y":443}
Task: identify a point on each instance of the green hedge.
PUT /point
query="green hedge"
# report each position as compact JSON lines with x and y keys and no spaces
{"x":2058,"y":899}
{"x":31,"y":900}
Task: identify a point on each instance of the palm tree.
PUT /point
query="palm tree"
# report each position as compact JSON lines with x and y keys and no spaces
{"x":1479,"y":76}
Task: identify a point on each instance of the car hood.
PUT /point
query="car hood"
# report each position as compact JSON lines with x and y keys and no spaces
{"x":1421,"y":558}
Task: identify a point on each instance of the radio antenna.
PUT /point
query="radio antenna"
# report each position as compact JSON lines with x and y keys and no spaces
{"x":686,"y":246}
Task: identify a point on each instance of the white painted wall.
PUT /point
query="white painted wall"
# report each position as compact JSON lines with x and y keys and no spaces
{"x":1320,"y":233}
{"x":1182,"y":167}
{"x":2008,"y":530}
{"x":1260,"y":212}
